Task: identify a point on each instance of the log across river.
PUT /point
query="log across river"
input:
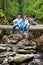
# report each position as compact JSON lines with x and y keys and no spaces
{"x":31,"y":28}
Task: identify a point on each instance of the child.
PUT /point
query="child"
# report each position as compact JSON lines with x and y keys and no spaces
{"x":21,"y":26}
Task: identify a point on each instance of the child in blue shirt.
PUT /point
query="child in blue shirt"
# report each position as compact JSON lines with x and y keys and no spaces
{"x":21,"y":26}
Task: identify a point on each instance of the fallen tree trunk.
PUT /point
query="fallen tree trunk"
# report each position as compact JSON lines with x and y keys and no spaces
{"x":32,"y":27}
{"x":5,"y":27}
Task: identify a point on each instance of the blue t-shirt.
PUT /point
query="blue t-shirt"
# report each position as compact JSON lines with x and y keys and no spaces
{"x":22,"y":23}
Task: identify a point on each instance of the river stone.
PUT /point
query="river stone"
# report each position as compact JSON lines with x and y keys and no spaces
{"x":31,"y":36}
{"x":40,"y":39}
{"x":24,"y":42}
{"x":30,"y":47}
{"x":33,"y":51}
{"x":40,"y":46}
{"x":35,"y":62}
{"x":32,"y":43}
{"x":19,"y":58}
{"x":1,"y":60}
{"x":4,"y":54}
{"x":22,"y":51}
{"x":16,"y":37}
{"x":2,"y":49}
{"x":6,"y":39}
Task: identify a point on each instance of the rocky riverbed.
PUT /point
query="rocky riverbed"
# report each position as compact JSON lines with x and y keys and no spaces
{"x":15,"y":49}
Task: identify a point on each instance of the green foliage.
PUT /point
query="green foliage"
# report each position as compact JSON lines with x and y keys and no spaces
{"x":25,"y":7}
{"x":6,"y":21}
{"x":34,"y":8}
{"x":11,"y":8}
{"x":1,"y":13}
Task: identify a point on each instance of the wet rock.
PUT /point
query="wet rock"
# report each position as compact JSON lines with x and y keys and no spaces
{"x":5,"y":54}
{"x":6,"y":64}
{"x":16,"y":37}
{"x":23,"y":42}
{"x":33,"y":51}
{"x":30,"y":47}
{"x":22,"y":51}
{"x":41,"y":63}
{"x":2,"y":49}
{"x":31,"y":36}
{"x":35,"y":62}
{"x":1,"y":34}
{"x":40,"y":39}
{"x":19,"y":58}
{"x":6,"y":39}
{"x":39,"y":46}
{"x":32,"y":42}
{"x":1,"y":60}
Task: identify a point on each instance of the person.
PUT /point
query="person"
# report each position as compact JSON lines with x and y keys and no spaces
{"x":27,"y":25}
{"x":16,"y":22}
{"x":23,"y":24}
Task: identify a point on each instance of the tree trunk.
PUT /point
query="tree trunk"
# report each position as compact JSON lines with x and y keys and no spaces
{"x":20,"y":6}
{"x":4,"y":5}
{"x":31,"y":28}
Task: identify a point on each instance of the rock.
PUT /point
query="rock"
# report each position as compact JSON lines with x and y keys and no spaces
{"x":19,"y":58}
{"x":13,"y":41}
{"x":33,"y":51}
{"x":1,"y":60}
{"x":23,"y":42}
{"x":31,"y":36}
{"x":1,"y":34}
{"x":16,"y":37}
{"x":6,"y":39}
{"x":41,"y":63}
{"x":40,"y":46}
{"x":2,"y":49}
{"x":40,"y":39}
{"x":30,"y":47}
{"x":35,"y":62}
{"x":22,"y":51}
{"x":4,"y":54}
{"x":32,"y":42}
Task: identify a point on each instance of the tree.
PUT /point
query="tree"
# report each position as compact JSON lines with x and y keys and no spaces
{"x":20,"y":7}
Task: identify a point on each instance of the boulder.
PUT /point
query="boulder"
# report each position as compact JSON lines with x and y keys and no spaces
{"x":23,"y":42}
{"x":16,"y":37}
{"x":19,"y":58}
{"x":32,"y":42}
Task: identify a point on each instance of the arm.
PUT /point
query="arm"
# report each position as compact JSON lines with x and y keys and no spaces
{"x":15,"y":21}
